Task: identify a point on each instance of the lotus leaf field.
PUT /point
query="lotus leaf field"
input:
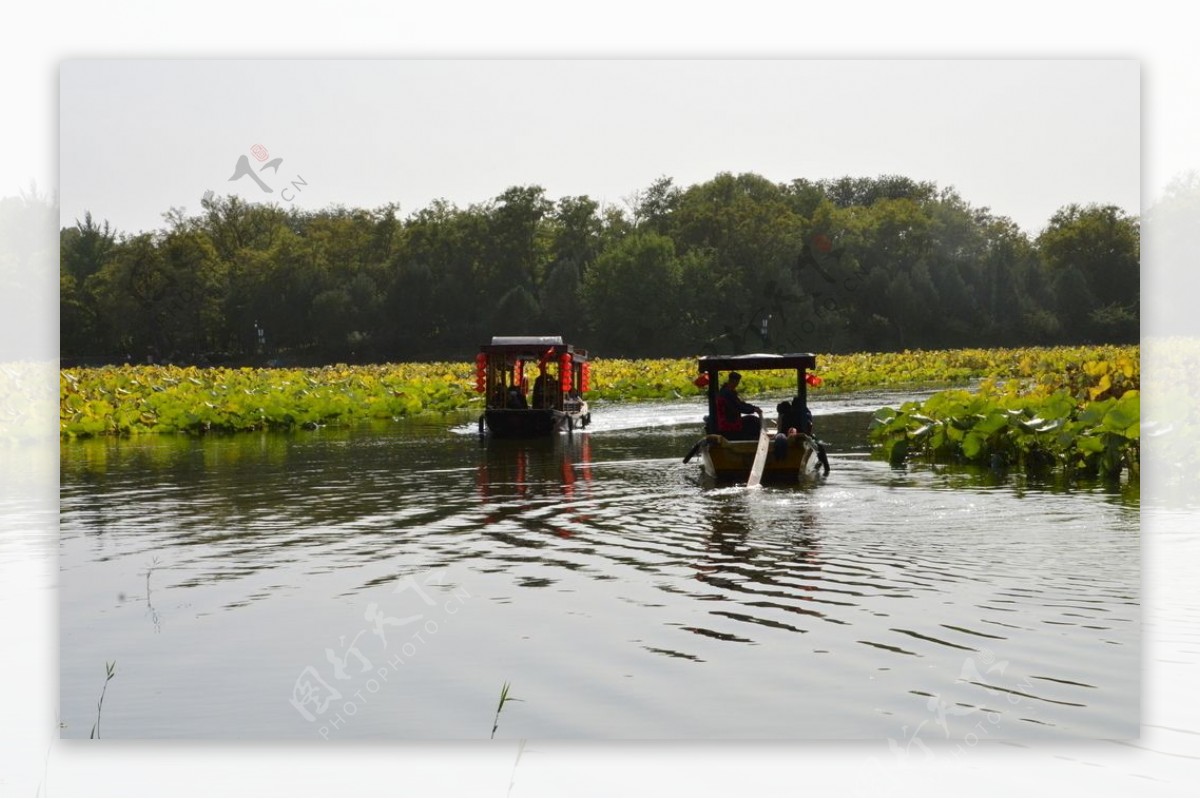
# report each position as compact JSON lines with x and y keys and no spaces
{"x":1081,"y":417}
{"x":1075,"y":407}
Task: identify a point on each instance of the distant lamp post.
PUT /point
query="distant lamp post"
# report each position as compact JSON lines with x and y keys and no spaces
{"x":260,"y":337}
{"x":766,"y":320}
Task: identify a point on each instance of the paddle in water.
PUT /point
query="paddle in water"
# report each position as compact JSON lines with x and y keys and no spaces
{"x":760,"y":460}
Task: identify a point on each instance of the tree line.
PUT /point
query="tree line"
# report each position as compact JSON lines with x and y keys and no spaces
{"x":735,"y":264}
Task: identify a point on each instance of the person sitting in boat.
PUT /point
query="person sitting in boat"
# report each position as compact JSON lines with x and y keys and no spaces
{"x":736,"y":419}
{"x":540,"y":396}
{"x":516,"y":397}
{"x":796,"y":418}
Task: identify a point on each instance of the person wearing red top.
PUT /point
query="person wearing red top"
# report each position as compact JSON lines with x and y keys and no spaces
{"x":736,"y":419}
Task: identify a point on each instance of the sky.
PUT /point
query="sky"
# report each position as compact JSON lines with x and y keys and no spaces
{"x":1018,"y":136}
{"x":1007,"y":137}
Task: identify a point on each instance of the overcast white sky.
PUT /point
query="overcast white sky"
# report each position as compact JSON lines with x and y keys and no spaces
{"x":1021,"y":137}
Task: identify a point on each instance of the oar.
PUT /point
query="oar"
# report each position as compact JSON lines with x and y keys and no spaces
{"x":760,"y":460}
{"x":692,"y":452}
{"x":822,"y":458}
{"x":819,"y":449}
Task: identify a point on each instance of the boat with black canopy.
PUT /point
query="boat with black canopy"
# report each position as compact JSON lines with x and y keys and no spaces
{"x":554,"y":403}
{"x":738,"y":448}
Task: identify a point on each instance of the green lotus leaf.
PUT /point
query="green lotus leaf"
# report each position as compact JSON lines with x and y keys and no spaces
{"x":992,"y":423}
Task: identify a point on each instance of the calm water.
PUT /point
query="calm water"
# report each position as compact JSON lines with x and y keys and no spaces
{"x":387,"y":582}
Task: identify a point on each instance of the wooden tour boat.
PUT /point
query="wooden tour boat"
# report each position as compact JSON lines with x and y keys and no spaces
{"x":555,"y":401}
{"x":785,"y":452}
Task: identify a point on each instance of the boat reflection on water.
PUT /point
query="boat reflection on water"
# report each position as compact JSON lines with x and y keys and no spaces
{"x":518,"y":476}
{"x":527,"y":467}
{"x":763,"y":556}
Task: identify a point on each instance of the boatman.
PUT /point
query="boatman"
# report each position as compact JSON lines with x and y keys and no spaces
{"x":736,"y":419}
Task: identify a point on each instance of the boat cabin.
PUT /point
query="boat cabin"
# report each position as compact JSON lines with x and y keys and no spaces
{"x":712,"y":366}
{"x":532,"y":385}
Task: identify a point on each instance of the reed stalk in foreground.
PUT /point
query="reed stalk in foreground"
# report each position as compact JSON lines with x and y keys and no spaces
{"x":504,"y":697}
{"x":110,"y":670}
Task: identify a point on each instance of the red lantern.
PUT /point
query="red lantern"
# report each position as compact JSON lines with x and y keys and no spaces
{"x":564,"y":363}
{"x":812,"y":379}
{"x":585,"y":378}
{"x":480,"y":372}
{"x":519,"y":374}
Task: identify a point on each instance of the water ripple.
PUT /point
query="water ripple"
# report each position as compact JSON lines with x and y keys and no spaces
{"x":878,"y":596}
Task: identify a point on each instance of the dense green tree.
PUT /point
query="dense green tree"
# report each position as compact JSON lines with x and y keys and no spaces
{"x":747,"y":236}
{"x":233,"y":225}
{"x":561,"y":304}
{"x":443,"y":311}
{"x":133,"y":292}
{"x":1094,"y":253}
{"x":804,"y":197}
{"x":1074,"y":299}
{"x":576,"y":231}
{"x":518,"y":313}
{"x":198,"y":287}
{"x":517,"y":244}
{"x":735,"y":263}
{"x":84,"y":249}
{"x":847,"y":192}
{"x":831,"y":281}
{"x":411,"y":322}
{"x":626,"y":293}
{"x":654,"y":207}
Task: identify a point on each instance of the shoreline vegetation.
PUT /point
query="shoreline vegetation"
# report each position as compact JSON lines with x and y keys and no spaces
{"x":1075,"y":408}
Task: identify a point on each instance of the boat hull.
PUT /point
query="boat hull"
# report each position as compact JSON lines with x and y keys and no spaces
{"x":789,"y":459}
{"x":533,"y":422}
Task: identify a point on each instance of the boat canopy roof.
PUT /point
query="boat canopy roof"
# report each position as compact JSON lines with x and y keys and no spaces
{"x":531,"y":347}
{"x":526,"y":341}
{"x":758,"y":361}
